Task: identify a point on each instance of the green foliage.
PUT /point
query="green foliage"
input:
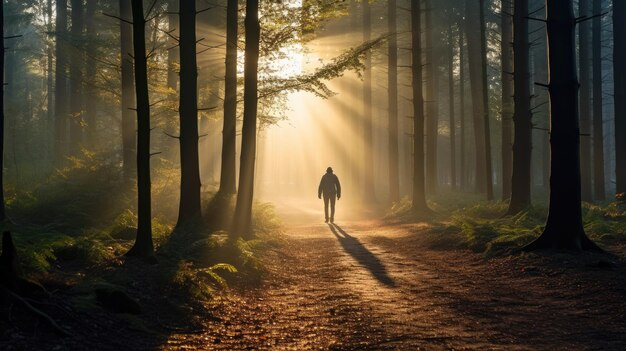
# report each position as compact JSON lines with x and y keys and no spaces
{"x":85,"y":193}
{"x":474,"y":224}
{"x":264,"y":218}
{"x":38,"y":249}
{"x":399,"y":209}
{"x":213,"y":272}
{"x":606,"y":225}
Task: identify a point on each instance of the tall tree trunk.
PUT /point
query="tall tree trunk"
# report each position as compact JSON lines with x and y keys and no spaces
{"x":507,"y":97}
{"x":585,"y":100}
{"x":50,"y":85}
{"x":76,"y":78}
{"x":564,"y":228}
{"x":60,"y":84}
{"x":356,"y":181}
{"x":463,"y":150}
{"x":419,"y":192}
{"x":2,"y":207}
{"x":242,"y":225}
{"x":432,"y":103}
{"x":392,"y":100}
{"x":619,"y":80}
{"x":522,"y":116}
{"x":228,"y":175}
{"x":129,"y":136}
{"x":474,"y":53}
{"x":91,"y":108}
{"x":189,"y":207}
{"x":143,"y":244}
{"x":451,"y":106}
{"x":598,"y":133}
{"x":368,"y":144}
{"x":485,"y":96}
{"x":173,"y":53}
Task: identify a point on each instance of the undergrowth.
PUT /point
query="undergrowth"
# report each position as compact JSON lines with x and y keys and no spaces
{"x":77,"y":225}
{"x":466,"y":222}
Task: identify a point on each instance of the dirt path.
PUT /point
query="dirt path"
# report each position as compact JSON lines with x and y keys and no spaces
{"x":363,"y":286}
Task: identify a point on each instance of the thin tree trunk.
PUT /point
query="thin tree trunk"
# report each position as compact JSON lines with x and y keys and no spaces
{"x":189,"y":208}
{"x":451,"y":107}
{"x":228,"y":176}
{"x":143,"y":244}
{"x":419,"y":192}
{"x":432,"y":103}
{"x":242,"y":226}
{"x":355,"y":124}
{"x":76,"y":78}
{"x":619,"y":80}
{"x":564,"y":228}
{"x":474,"y":53}
{"x":50,"y":85}
{"x":392,"y":98}
{"x":368,"y":154}
{"x":91,"y":107}
{"x":598,"y":133}
{"x":485,"y":96}
{"x":2,"y":206}
{"x":463,"y":150}
{"x":129,"y":136}
{"x":173,"y":53}
{"x":585,"y":100}
{"x":60,"y":84}
{"x":522,"y":116}
{"x":507,"y":97}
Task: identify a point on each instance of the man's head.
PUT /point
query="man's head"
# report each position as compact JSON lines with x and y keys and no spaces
{"x":329,"y":170}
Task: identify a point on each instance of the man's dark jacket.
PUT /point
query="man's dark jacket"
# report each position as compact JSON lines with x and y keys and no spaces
{"x":329,"y":185}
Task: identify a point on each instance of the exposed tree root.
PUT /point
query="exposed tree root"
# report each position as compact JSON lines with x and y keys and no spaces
{"x":57,"y":328}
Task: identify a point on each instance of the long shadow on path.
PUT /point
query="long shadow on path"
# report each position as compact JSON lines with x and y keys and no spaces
{"x":364,"y":256}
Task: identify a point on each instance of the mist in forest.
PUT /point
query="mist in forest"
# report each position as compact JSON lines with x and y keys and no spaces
{"x":167,"y":167}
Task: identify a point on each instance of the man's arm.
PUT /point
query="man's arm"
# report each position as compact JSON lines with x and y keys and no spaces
{"x":338,"y":187}
{"x":319,"y":189}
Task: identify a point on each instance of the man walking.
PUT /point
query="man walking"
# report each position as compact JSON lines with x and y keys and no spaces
{"x":329,"y":187}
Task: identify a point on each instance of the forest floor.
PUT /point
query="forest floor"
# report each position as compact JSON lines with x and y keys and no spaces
{"x":362,"y":284}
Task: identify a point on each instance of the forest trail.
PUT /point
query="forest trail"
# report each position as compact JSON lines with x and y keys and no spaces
{"x":360,"y":285}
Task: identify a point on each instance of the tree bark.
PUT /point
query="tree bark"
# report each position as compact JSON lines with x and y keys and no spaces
{"x":419,"y":192}
{"x":619,"y":81}
{"x":598,"y":133}
{"x":143,"y":244}
{"x":522,"y":115}
{"x":8,"y":259}
{"x":462,"y":77}
{"x":507,"y":97}
{"x":451,"y":107}
{"x":129,"y":136}
{"x":485,"y":96}
{"x":585,"y":100}
{"x":77,"y":60}
{"x":368,"y":144}
{"x":2,"y":205}
{"x":173,"y":53}
{"x":564,"y":228}
{"x":474,"y":53}
{"x":189,"y":208}
{"x":392,"y":100}
{"x":228,"y":175}
{"x":432,"y":103}
{"x":91,"y":96}
{"x":51,"y":144}
{"x":60,"y":84}
{"x":242,"y":226}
